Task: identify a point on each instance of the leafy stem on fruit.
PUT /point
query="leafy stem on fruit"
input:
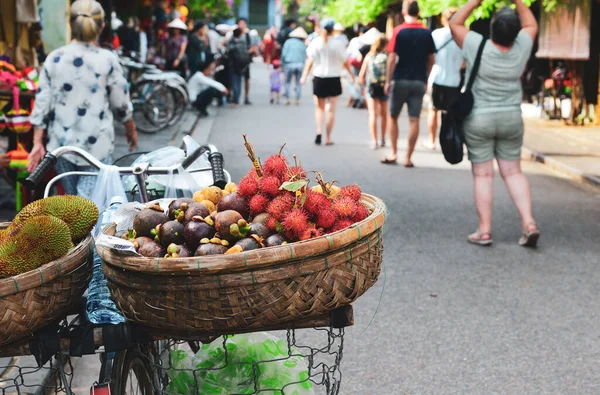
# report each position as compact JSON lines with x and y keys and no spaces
{"x":252,"y":155}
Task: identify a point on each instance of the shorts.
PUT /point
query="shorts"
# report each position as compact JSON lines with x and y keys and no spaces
{"x":247,"y":73}
{"x":443,"y":96}
{"x":494,"y":135}
{"x":327,"y":87}
{"x":276,"y":89}
{"x":407,"y":91}
{"x":384,"y":98}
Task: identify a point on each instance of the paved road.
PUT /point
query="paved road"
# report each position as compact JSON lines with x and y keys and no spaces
{"x":454,"y":318}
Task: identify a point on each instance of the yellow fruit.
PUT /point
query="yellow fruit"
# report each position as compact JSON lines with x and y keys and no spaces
{"x":225,"y":192}
{"x":79,"y":213}
{"x":209,"y":205}
{"x":231,"y":187}
{"x":317,"y":189}
{"x":334,"y":191}
{"x":33,"y":243}
{"x":214,"y":194}
{"x":199,"y":196}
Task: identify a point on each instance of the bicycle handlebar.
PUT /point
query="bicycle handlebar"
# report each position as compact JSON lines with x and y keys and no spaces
{"x":40,"y":171}
{"x":216,"y":162}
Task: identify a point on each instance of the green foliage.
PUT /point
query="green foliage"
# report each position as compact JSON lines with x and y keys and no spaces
{"x":349,"y":12}
{"x":212,"y":9}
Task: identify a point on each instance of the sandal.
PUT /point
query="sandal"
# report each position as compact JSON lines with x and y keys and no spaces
{"x":478,"y":239}
{"x":388,"y":161}
{"x":530,"y":236}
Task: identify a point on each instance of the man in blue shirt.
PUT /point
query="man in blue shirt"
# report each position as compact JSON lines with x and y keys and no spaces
{"x":411,"y":58}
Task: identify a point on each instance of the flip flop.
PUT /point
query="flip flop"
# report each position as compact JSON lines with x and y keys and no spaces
{"x":329,"y":143}
{"x":409,"y":165}
{"x":529,"y":238}
{"x":318,"y":139}
{"x":388,"y":161}
{"x":476,"y":238}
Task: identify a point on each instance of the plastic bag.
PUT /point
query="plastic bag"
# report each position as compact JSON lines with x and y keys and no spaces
{"x":236,"y":364}
{"x":108,"y":185}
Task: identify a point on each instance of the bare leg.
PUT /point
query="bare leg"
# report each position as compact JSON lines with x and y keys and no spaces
{"x":319,"y":114}
{"x":483,"y":175}
{"x":519,"y":189}
{"x":383,"y":108}
{"x":432,"y":122}
{"x":413,"y":135}
{"x":330,"y":118}
{"x":372,"y":108}
{"x":393,"y":129}
{"x":247,"y":89}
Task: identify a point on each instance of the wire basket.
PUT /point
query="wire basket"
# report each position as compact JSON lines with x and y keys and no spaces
{"x":22,"y":375}
{"x":316,"y":354}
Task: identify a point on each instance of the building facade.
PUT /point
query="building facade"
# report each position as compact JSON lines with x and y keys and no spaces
{"x":261,"y":14}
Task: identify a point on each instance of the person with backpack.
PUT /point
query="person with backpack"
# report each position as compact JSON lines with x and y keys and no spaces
{"x":445,"y":75}
{"x":240,"y":57}
{"x":373,"y":77}
{"x":252,"y":50}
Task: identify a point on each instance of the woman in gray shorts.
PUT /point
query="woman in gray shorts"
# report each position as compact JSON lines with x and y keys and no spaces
{"x":494,"y":128}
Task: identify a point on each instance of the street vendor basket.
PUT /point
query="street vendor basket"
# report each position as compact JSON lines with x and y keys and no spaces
{"x":31,"y":300}
{"x":188,"y":298}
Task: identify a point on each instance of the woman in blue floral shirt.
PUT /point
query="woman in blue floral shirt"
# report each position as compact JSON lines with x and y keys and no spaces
{"x":82,"y":89}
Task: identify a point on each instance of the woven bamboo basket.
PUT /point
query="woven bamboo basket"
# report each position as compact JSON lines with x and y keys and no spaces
{"x":39,"y":297}
{"x":189,"y":297}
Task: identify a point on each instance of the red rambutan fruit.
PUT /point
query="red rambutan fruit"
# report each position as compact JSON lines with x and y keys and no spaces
{"x":326,"y":219}
{"x":280,"y":206}
{"x":269,"y":185}
{"x":352,"y":191}
{"x":344,"y":206}
{"x":296,"y":172}
{"x":341,"y":224}
{"x":316,"y":202}
{"x":295,"y":223}
{"x":361,"y":213}
{"x":248,"y":186}
{"x":310,"y":233}
{"x":258,"y":204}
{"x":275,"y":165}
{"x":272,"y":224}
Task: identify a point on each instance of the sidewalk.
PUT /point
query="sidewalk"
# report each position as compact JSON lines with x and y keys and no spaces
{"x":571,"y":150}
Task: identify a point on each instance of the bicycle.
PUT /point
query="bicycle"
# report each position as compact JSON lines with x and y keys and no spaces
{"x":136,"y":360}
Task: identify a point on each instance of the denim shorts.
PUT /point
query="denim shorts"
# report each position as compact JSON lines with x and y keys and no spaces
{"x":494,"y":135}
{"x":407,"y":91}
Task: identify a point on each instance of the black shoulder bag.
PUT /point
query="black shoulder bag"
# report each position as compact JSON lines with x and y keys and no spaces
{"x":451,"y":132}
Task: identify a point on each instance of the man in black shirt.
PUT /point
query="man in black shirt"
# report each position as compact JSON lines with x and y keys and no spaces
{"x":411,"y":58}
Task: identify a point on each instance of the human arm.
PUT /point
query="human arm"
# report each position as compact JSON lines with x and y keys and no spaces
{"x":348,"y":68}
{"x":457,"y":22}
{"x":363,"y":69}
{"x":528,"y":21}
{"x":307,"y":67}
{"x":43,"y":106}
{"x":181,"y":53}
{"x":389,"y":75}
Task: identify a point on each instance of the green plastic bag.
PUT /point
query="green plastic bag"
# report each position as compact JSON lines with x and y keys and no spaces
{"x":239,"y":364}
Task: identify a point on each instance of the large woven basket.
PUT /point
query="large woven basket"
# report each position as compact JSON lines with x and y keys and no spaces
{"x":189,"y":297}
{"x":39,"y":297}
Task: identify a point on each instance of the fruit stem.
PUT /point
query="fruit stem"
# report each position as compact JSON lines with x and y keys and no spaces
{"x":252,"y":156}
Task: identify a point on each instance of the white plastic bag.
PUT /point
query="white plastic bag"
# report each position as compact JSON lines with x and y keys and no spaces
{"x":108,"y":185}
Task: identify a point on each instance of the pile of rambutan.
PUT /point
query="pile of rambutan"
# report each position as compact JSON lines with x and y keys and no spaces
{"x":296,"y":211}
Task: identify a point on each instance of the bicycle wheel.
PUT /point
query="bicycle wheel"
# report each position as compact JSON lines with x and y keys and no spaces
{"x":132,"y":373}
{"x":154,"y":106}
{"x":181,"y":105}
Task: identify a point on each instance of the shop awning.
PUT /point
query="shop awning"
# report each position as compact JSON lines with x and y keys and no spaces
{"x":565,"y":34}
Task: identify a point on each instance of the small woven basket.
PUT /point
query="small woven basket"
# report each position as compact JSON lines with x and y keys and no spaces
{"x":39,"y":297}
{"x":188,"y":298}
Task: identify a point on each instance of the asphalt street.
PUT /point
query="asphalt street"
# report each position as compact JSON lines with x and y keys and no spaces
{"x":453,"y":318}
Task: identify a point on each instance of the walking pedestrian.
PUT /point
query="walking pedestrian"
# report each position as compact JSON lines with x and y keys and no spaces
{"x":275,"y":82}
{"x":252,"y":50}
{"x":494,"y":128}
{"x":81,"y":91}
{"x":327,"y":59}
{"x":198,"y":47}
{"x":445,"y":75}
{"x":373,"y":76}
{"x":268,"y":46}
{"x":176,"y":46}
{"x":293,"y":58}
{"x":239,"y":55}
{"x":410,"y":61}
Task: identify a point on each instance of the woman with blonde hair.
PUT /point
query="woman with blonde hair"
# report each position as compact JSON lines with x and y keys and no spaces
{"x":326,"y":58}
{"x":373,"y":76}
{"x":81,"y":90}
